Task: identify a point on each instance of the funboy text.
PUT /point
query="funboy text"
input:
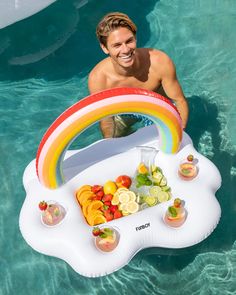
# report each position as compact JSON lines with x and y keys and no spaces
{"x":142,"y":226}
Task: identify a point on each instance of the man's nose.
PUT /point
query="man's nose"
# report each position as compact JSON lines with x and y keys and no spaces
{"x":125,"y":48}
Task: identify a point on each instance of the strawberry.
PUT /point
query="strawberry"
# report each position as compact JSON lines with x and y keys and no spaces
{"x":177,"y":202}
{"x":96,"y":231}
{"x":108,"y":215}
{"x":107,"y":203}
{"x":117,"y":214}
{"x":96,"y":188}
{"x":100,"y":193}
{"x":43,"y":205}
{"x":107,"y":197}
{"x":113,"y":208}
{"x":104,"y":208}
{"x":97,"y":198}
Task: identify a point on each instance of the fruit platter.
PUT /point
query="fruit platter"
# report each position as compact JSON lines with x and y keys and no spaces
{"x":115,"y":209}
{"x":122,"y":197}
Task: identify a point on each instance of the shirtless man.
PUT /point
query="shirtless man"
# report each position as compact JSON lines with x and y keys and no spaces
{"x":129,"y":66}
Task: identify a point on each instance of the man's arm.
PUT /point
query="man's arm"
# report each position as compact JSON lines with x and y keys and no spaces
{"x":174,"y":91}
{"x":95,"y":84}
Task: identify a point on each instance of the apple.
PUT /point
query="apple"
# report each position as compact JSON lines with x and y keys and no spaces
{"x":123,"y":181}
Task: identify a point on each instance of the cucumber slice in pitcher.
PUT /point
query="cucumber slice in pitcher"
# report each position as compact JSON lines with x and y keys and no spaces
{"x":154,"y":190}
{"x":163,"y":181}
{"x":157,"y":177}
{"x":166,"y":188}
{"x":163,"y":197}
{"x":151,"y":201}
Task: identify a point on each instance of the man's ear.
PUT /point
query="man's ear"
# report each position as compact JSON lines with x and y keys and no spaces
{"x":104,"y":49}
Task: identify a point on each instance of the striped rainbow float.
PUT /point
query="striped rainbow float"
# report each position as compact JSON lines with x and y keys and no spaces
{"x":93,"y":108}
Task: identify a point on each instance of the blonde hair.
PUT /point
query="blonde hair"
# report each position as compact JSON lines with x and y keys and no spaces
{"x":111,"y":22}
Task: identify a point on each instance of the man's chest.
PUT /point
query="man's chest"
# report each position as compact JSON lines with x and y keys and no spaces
{"x":149,"y":83}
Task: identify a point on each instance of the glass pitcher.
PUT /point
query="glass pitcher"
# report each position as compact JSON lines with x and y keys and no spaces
{"x":143,"y":179}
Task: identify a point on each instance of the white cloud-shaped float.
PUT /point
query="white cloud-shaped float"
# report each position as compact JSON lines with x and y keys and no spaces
{"x":72,"y":240}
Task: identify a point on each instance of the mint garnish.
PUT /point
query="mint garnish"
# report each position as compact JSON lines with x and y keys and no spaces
{"x":172,"y":211}
{"x":143,"y":179}
{"x":108,"y":231}
{"x":186,"y":171}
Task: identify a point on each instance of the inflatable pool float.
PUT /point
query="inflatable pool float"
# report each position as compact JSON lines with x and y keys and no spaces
{"x":57,"y":173}
{"x":16,"y":10}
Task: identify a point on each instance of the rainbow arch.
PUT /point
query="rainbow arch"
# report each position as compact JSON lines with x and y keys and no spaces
{"x":93,"y":108}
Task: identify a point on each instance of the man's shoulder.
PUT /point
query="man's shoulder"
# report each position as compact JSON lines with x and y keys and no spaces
{"x":97,"y":77}
{"x":99,"y":69}
{"x":159,"y":55}
{"x":160,"y":61}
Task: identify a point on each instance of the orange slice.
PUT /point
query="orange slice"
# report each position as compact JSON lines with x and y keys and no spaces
{"x":98,"y":219}
{"x":85,"y":207}
{"x":94,"y":206}
{"x":78,"y":196}
{"x":94,"y":213}
{"x":142,"y":168}
{"x":83,"y":188}
{"x":85,"y":197}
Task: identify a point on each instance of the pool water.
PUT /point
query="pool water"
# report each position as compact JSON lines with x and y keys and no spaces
{"x":44,"y":66}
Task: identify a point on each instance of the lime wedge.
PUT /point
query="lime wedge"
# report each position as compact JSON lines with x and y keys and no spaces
{"x":162,"y":196}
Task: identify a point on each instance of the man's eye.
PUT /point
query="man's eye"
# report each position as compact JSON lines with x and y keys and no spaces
{"x":131,"y":41}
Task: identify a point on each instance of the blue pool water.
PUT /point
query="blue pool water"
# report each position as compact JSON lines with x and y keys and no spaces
{"x":44,"y":65}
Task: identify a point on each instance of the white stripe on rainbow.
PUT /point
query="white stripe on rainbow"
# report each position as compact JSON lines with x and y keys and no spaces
{"x":93,"y":108}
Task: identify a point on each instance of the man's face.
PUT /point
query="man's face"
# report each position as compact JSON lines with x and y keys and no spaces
{"x":121,"y":45}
